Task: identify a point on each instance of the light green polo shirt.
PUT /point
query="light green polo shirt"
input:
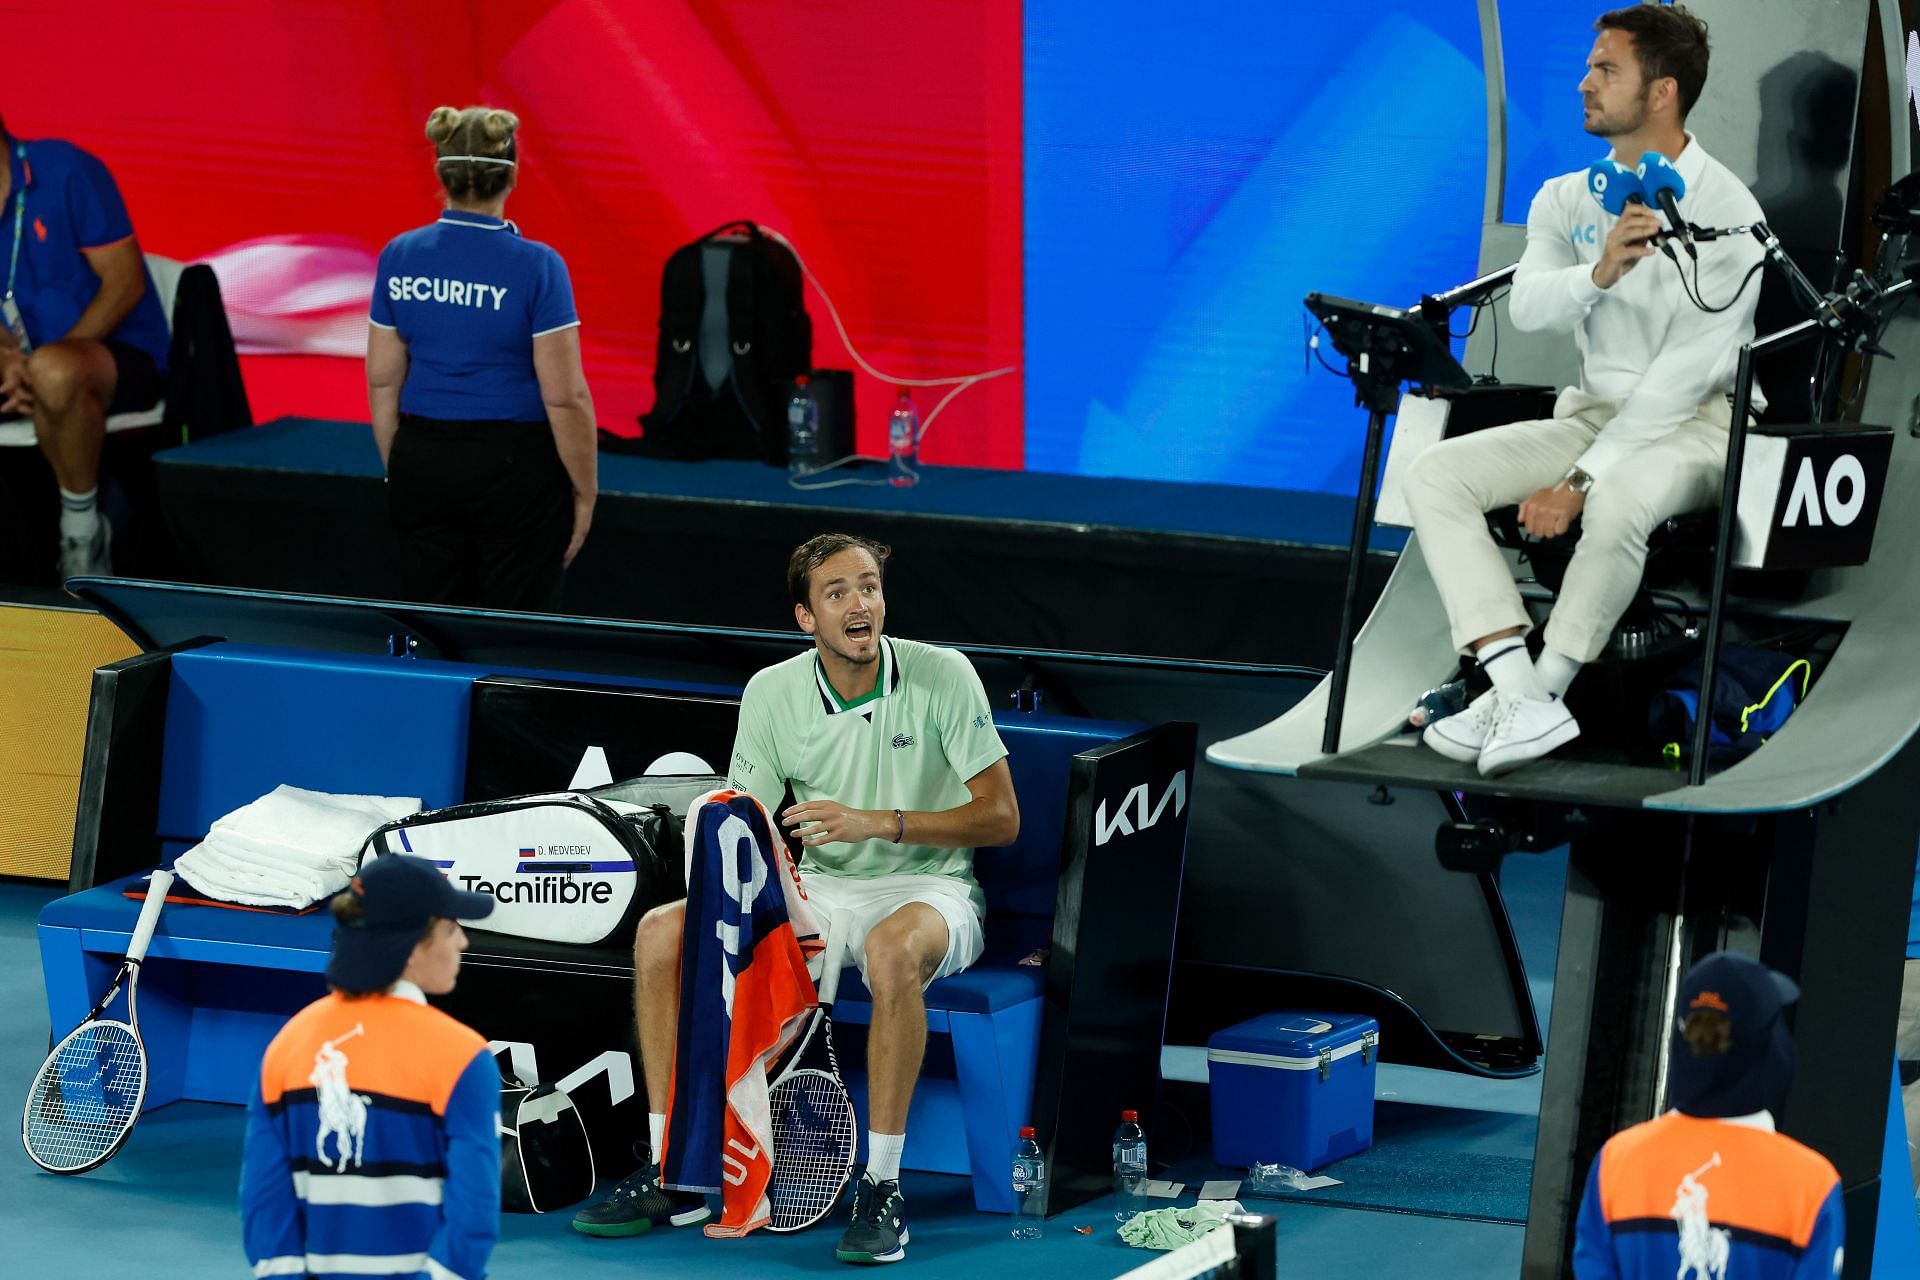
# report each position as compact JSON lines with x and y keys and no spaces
{"x":911,"y":744}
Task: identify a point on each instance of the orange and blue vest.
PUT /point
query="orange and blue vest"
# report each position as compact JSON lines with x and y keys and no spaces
{"x":372,"y":1144}
{"x":1712,"y":1199}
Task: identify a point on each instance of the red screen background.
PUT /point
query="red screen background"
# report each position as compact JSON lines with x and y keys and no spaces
{"x":884,"y":139}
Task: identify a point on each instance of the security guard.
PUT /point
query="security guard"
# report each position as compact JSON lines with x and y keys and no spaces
{"x":479,"y":404}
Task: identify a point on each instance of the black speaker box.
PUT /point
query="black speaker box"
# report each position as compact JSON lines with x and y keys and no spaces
{"x":833,"y":397}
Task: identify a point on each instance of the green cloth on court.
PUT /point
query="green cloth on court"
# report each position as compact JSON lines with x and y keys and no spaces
{"x":1171,"y":1228}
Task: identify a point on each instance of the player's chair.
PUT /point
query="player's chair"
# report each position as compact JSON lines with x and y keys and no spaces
{"x":28,"y":505}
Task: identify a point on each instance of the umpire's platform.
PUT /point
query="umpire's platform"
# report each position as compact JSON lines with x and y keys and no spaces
{"x":1801,"y":854}
{"x":1863,"y":709}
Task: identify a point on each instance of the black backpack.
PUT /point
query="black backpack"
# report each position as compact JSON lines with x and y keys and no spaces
{"x":769,"y":343}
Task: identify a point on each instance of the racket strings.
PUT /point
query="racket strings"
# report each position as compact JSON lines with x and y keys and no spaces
{"x":813,"y":1140}
{"x":85,"y":1098}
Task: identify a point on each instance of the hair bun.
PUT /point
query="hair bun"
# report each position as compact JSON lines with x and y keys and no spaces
{"x":441,"y":124}
{"x":499,"y":125}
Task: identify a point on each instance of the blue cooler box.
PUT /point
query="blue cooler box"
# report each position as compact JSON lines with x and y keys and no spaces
{"x":1293,"y":1088}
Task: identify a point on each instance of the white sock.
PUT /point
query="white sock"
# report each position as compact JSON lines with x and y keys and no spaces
{"x":656,"y":1134}
{"x":1507,"y":665}
{"x":883,"y":1155}
{"x":79,"y":513}
{"x":1555,"y":671}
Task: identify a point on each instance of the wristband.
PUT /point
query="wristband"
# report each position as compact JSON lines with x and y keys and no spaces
{"x":901,"y":832}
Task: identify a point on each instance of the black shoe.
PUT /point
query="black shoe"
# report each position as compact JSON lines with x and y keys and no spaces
{"x":639,"y":1204}
{"x":879,"y":1229}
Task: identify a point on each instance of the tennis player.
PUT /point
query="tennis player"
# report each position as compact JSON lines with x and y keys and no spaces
{"x":897,"y":774}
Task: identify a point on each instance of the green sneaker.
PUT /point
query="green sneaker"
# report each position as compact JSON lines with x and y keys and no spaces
{"x":639,"y":1204}
{"x":879,"y":1229}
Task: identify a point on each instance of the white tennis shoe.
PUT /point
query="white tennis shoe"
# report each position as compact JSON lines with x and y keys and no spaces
{"x":1461,"y":735}
{"x":1525,"y":729}
{"x":89,"y":557}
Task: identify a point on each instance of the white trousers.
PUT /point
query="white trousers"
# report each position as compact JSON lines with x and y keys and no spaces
{"x":1452,"y":486}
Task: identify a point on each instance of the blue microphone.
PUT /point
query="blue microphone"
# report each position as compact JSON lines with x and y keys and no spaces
{"x":1613,"y":186}
{"x":1665,"y":187}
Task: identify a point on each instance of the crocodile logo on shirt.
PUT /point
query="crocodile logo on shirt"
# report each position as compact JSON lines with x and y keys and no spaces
{"x":902,"y":740}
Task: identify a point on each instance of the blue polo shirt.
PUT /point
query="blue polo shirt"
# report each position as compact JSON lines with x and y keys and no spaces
{"x":72,"y":205}
{"x":468,"y":296}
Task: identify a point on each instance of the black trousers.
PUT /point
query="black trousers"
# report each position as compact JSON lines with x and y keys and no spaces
{"x":484,"y":511}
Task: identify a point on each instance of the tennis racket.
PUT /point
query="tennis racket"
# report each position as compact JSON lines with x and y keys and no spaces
{"x":86,"y":1096}
{"x":813,"y":1124}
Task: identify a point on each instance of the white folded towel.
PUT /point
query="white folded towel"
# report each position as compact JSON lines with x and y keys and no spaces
{"x":290,"y":848}
{"x":280,"y":853}
{"x":207,"y":870}
{"x":217,"y":855}
{"x":315,"y":819}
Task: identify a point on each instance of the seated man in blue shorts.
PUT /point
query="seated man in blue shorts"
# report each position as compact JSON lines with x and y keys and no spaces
{"x":898,"y":774}
{"x":83,"y":334}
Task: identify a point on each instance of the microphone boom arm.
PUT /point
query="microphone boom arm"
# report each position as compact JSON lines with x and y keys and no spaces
{"x":1437,"y":308}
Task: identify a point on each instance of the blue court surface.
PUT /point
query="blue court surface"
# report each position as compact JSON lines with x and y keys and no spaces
{"x":1444,"y":1187}
{"x":1449,"y":1170}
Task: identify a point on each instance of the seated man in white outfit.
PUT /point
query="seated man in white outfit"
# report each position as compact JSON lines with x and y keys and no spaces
{"x":898,"y":774}
{"x":1641,"y":439}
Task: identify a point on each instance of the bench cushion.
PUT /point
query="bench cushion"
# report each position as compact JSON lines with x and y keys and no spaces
{"x":107,"y":908}
{"x":997,"y":982}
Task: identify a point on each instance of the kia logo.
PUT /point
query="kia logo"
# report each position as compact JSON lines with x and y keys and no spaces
{"x":1141,"y":817}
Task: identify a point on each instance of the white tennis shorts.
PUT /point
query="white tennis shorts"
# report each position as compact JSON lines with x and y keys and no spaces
{"x":850,"y":908}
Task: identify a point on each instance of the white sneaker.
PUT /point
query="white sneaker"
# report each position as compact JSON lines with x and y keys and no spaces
{"x":1461,"y":735}
{"x":88,"y":557}
{"x":1527,"y":729}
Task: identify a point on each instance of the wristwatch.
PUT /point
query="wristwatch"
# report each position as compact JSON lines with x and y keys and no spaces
{"x":1577,"y":480}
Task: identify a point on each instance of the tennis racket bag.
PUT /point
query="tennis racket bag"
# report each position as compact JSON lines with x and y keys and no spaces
{"x":734,"y":333}
{"x":561,"y":867}
{"x":546,"y":1161}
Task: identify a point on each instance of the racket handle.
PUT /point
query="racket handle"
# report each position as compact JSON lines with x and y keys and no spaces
{"x":831,"y":961}
{"x":149,"y":914}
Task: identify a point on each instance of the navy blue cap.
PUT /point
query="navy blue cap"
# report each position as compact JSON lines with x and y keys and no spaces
{"x":399,"y":897}
{"x":1752,"y":1067}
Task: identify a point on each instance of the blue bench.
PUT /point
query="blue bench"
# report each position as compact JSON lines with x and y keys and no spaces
{"x":240,"y":719}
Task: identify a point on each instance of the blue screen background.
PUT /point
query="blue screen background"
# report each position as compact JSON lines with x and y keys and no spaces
{"x":1193,"y":172}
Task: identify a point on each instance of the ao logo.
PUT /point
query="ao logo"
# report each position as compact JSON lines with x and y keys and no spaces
{"x":1805,"y":499}
{"x":733,"y":835}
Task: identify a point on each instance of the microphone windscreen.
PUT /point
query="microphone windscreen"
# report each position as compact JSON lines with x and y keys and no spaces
{"x":1657,"y":174}
{"x":1613,"y":185}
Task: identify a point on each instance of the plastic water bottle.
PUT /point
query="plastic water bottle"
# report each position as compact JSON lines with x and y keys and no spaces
{"x":1438,"y":704}
{"x":803,"y":430}
{"x":903,"y":442}
{"x":1029,"y":1187}
{"x":1129,"y":1167}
